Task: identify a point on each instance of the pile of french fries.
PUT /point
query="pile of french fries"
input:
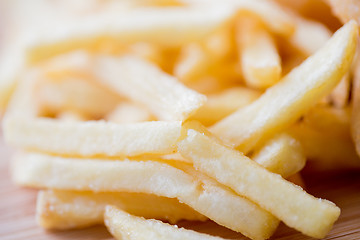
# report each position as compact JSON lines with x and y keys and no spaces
{"x":123,"y":112}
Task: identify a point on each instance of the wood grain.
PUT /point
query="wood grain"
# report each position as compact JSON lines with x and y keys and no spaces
{"x":17,"y":210}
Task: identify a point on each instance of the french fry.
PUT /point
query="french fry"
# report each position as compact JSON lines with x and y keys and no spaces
{"x":286,"y":101}
{"x":92,"y":138}
{"x":74,"y":209}
{"x":122,"y":225}
{"x":152,"y":177}
{"x":305,"y":28}
{"x":222,"y":104}
{"x":282,"y":154}
{"x":259,"y":58}
{"x":153,"y":24}
{"x":23,"y":128}
{"x":313,"y":217}
{"x":144,"y":83}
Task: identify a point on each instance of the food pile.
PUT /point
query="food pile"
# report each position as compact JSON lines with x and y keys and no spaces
{"x":123,"y":112}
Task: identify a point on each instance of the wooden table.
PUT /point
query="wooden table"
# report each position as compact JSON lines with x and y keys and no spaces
{"x":17,"y":210}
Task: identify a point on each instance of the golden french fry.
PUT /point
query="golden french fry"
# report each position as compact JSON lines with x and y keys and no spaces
{"x":152,"y":177}
{"x":144,"y":82}
{"x":122,"y":225}
{"x":312,"y":216}
{"x":285,"y":102}
{"x":73,"y":209}
{"x":222,"y":104}
{"x":282,"y":154}
{"x":259,"y":58}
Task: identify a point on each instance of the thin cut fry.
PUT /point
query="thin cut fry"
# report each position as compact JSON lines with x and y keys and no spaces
{"x":259,"y":58}
{"x":194,"y":189}
{"x":24,"y":129}
{"x":92,"y":137}
{"x":74,"y":209}
{"x":305,"y":28}
{"x":222,"y":104}
{"x":156,"y":25}
{"x":292,"y":205}
{"x":122,"y":225}
{"x":285,"y":102}
{"x":143,"y":82}
{"x":282,"y":154}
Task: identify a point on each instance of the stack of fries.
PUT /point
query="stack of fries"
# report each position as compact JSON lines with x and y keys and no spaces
{"x":123,"y":112}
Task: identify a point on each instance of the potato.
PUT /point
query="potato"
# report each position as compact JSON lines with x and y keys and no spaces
{"x":122,"y":225}
{"x":144,"y":82}
{"x":259,"y":58}
{"x":282,"y":154}
{"x":288,"y":202}
{"x":75,"y":209}
{"x":286,"y":101}
{"x":166,"y":179}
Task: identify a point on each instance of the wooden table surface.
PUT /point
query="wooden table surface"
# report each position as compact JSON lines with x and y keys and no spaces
{"x":17,"y":210}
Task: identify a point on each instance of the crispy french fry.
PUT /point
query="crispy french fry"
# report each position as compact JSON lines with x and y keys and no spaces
{"x":144,"y":83}
{"x":282,"y":154}
{"x":222,"y":104}
{"x":122,"y":225}
{"x":190,"y":187}
{"x":259,"y":58}
{"x":73,"y":209}
{"x":285,"y":102}
{"x":292,"y":205}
